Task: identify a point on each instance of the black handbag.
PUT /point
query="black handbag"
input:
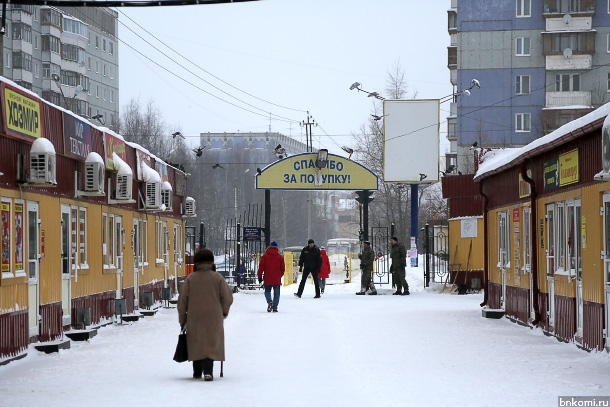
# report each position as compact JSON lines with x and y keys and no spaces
{"x":181,"y":354}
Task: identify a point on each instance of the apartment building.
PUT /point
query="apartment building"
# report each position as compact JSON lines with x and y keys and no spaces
{"x":540,"y":63}
{"x":67,"y":56}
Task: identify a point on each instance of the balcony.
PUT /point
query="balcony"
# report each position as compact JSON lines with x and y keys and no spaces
{"x":560,"y":99}
{"x":452,"y":57}
{"x":569,"y":23}
{"x":553,"y":8}
{"x":562,"y":63}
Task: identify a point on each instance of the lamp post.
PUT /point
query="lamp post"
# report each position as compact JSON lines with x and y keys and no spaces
{"x":55,"y":77}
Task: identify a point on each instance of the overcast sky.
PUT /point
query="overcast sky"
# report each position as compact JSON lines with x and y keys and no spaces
{"x":283,"y":57}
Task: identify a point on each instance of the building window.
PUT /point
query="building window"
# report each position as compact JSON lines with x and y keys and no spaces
{"x":111,"y":48}
{"x":608,"y":42}
{"x":111,"y":96}
{"x":22,"y":32}
{"x":36,"y":70}
{"x":524,"y":8}
{"x":21,"y":60}
{"x":567,"y":83}
{"x":51,"y":43}
{"x":73,"y":53}
{"x":103,"y":45}
{"x":97,"y":91}
{"x":522,"y":46}
{"x":35,"y":42}
{"x":48,"y":69}
{"x":523,"y":122}
{"x":522,"y":85}
{"x":556,"y":43}
{"x":452,"y":20}
{"x":7,"y":59}
{"x":111,"y":72}
{"x":560,"y":239}
{"x":608,"y":87}
{"x":105,"y":94}
{"x":97,"y":67}
{"x":105,"y":70}
{"x":97,"y":41}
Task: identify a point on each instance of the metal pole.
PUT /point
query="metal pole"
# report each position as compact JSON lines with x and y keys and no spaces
{"x":201,"y":239}
{"x":426,"y":249}
{"x":238,"y":250}
{"x":365,"y":216}
{"x":414,"y":216}
{"x":268,"y":218}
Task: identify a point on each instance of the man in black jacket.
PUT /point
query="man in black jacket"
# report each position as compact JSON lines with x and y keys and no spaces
{"x":310,"y":261}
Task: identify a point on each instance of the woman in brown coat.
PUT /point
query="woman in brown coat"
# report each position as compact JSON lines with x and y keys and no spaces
{"x":203,"y":304}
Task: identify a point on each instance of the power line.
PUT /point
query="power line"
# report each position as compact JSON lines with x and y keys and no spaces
{"x":209,"y":73}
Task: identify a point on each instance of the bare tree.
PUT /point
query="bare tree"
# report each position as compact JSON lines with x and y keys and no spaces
{"x":144,"y":125}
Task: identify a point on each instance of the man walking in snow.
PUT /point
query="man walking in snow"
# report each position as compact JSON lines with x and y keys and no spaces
{"x":310,"y":262}
{"x":399,"y":264}
{"x":271,"y":270}
{"x":366,"y":265}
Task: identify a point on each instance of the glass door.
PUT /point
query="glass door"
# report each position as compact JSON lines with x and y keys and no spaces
{"x":118,"y":241}
{"x":67,"y":258}
{"x":33,"y":236}
{"x":550,"y":262}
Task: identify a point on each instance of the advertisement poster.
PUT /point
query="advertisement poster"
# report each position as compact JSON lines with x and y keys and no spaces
{"x":5,"y":214}
{"x":18,"y":236}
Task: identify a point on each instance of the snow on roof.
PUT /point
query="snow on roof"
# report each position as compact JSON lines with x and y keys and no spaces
{"x":94,"y":157}
{"x":121,"y":166}
{"x":510,"y":157}
{"x":42,"y":145}
{"x":150,"y":175}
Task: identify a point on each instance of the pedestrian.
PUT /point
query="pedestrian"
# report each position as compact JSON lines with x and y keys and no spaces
{"x":324,"y":269}
{"x":271,"y":270}
{"x":398,"y":267}
{"x":309,"y":263}
{"x":239,"y":273}
{"x":203,"y":305}
{"x":366,"y":265}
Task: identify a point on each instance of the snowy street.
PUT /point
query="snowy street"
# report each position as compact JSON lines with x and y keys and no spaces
{"x":427,"y":349}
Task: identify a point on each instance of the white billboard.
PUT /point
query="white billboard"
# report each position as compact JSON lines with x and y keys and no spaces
{"x":411,"y":140}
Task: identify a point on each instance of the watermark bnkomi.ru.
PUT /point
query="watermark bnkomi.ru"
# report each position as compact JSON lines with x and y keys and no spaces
{"x":583,"y":401}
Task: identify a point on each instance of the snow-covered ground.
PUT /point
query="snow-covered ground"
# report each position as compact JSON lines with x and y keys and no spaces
{"x":427,"y":349}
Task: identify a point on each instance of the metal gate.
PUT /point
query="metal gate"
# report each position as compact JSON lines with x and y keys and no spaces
{"x":436,"y":253}
{"x":244,"y":246}
{"x":381,"y":244}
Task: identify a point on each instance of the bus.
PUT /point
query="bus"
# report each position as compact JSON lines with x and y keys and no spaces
{"x":343,"y":245}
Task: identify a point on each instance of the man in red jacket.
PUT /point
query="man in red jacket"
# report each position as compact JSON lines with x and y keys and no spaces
{"x":271,"y":269}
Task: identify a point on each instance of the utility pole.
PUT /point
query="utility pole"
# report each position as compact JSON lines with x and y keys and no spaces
{"x":308,"y":135}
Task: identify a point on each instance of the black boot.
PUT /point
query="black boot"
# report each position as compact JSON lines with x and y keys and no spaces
{"x":397,"y":293}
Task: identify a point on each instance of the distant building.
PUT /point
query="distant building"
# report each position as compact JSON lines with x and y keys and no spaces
{"x":71,"y":45}
{"x":262,"y":149}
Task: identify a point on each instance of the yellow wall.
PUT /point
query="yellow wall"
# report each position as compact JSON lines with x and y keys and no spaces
{"x":466,"y":253}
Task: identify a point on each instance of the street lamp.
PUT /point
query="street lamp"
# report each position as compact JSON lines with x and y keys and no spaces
{"x":466,"y":92}
{"x":55,"y":77}
{"x":100,"y":118}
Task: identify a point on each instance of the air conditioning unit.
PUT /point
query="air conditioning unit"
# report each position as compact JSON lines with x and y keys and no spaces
{"x":153,"y":195}
{"x":123,"y":187}
{"x":604,"y":175}
{"x":94,"y":177}
{"x":166,"y":195}
{"x":189,"y":207}
{"x":42,"y":163}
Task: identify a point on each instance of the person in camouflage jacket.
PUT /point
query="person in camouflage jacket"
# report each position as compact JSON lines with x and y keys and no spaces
{"x":367,"y":257}
{"x":399,"y":264}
